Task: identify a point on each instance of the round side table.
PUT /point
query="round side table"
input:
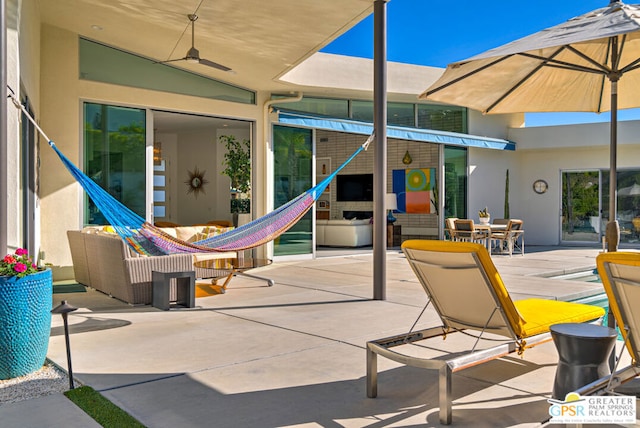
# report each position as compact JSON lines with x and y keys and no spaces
{"x":583,"y":351}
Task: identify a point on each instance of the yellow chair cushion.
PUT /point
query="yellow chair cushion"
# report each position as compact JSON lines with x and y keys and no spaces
{"x":540,"y":314}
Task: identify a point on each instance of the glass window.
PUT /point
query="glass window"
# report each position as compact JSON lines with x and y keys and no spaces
{"x":436,"y":117}
{"x":160,"y":200}
{"x":401,"y":114}
{"x":105,"y":64}
{"x":362,"y":110}
{"x":442,"y":118}
{"x":324,"y":106}
{"x":114,"y":156}
{"x":455,"y":182}
{"x":292,"y":169}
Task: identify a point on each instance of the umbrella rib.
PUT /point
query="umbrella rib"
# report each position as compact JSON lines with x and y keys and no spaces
{"x":602,"y":67}
{"x":524,"y":79}
{"x":630,"y":67}
{"x":551,"y":62}
{"x":471,"y":73}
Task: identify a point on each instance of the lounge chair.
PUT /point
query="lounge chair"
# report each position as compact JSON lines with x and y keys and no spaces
{"x":620,"y":273}
{"x":467,"y":292}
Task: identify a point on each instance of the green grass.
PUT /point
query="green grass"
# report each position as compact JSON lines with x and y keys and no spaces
{"x":100,"y":409}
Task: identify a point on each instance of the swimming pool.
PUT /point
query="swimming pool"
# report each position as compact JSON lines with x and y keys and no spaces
{"x":600,"y":300}
{"x":586,"y":276}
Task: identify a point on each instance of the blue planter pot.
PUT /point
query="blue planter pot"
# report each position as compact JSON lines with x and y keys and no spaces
{"x":25,"y":323}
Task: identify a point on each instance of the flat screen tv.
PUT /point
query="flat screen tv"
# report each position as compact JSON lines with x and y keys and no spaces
{"x":354,"y":187}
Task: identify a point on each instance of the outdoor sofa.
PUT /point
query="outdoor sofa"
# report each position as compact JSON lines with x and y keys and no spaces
{"x":103,"y":261}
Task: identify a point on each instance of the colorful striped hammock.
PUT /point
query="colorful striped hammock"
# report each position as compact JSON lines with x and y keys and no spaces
{"x":147,"y":239}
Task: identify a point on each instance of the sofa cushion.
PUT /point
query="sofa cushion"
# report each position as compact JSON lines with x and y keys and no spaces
{"x":188,"y":233}
{"x":344,"y":222}
{"x":198,"y":233}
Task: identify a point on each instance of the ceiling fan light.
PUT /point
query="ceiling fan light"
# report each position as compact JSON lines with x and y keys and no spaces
{"x":192,"y":60}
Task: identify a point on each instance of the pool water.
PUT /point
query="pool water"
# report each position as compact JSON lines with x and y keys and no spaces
{"x":596,"y":300}
{"x":588,"y":276}
{"x":602,"y":301}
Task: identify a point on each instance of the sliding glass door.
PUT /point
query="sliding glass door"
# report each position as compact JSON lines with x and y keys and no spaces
{"x":114,"y":156}
{"x":581,"y":221}
{"x":455,"y":182}
{"x":585,"y":205}
{"x":628,"y":204}
{"x":292,"y":169}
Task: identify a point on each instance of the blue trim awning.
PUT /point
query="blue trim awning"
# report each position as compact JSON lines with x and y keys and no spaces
{"x":399,"y":132}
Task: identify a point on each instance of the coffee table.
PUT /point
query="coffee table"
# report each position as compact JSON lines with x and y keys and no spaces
{"x":235,"y":266}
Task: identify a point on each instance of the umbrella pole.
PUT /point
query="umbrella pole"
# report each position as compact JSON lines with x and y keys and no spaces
{"x":613,"y":229}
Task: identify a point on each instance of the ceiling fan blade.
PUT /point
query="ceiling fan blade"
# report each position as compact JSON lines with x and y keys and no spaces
{"x":193,"y":55}
{"x":214,"y":64}
{"x":170,"y":60}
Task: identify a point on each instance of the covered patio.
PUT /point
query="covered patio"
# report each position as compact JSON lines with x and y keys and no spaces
{"x":294,"y":354}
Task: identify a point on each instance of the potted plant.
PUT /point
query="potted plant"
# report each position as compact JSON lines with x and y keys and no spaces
{"x":237,"y":166}
{"x":25,"y":314}
{"x":484,"y":216}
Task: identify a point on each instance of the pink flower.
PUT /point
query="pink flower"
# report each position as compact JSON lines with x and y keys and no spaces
{"x":21,"y":252}
{"x":9,"y":259}
{"x":20,"y":267}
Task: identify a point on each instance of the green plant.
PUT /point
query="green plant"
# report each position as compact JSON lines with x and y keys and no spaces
{"x":18,"y":264}
{"x":100,"y":409}
{"x":237,"y":163}
{"x":484,"y":213}
{"x":506,"y":196}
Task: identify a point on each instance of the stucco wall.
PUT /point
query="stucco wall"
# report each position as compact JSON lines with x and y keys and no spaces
{"x":487,"y":175}
{"x":494,"y":126}
{"x":543,"y":152}
{"x":62,"y":96}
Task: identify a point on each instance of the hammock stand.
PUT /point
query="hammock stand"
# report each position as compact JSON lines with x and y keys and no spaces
{"x":147,"y":239}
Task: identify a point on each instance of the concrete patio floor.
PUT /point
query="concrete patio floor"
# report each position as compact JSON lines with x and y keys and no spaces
{"x":293,"y":355}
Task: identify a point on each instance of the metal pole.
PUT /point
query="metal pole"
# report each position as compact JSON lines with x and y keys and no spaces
{"x":63,"y":309}
{"x":66,"y":341}
{"x":380,"y":159}
{"x":3,"y":129}
{"x":613,"y":229}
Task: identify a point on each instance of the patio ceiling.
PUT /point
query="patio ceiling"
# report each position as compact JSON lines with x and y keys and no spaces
{"x":260,"y":40}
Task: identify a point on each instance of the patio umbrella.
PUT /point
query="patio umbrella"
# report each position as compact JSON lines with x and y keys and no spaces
{"x":589,"y":63}
{"x":633,"y":190}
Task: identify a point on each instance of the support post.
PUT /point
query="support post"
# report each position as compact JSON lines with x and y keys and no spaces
{"x":612,"y":231}
{"x":3,"y":129}
{"x":380,"y":159}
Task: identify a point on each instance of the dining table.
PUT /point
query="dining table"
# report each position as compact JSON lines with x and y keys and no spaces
{"x":489,"y":228}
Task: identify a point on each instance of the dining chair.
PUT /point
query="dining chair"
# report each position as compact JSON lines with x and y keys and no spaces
{"x":450,"y":229}
{"x":466,"y":231}
{"x":501,"y":221}
{"x":511,"y":238}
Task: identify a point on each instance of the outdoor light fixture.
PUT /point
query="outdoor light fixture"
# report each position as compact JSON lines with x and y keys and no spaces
{"x":407,"y":158}
{"x":391,"y":203}
{"x":63,"y":309}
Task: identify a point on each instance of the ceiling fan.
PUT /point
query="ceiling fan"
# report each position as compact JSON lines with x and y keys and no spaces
{"x":193,"y":55}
